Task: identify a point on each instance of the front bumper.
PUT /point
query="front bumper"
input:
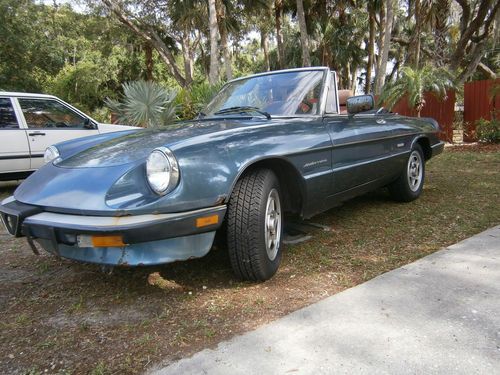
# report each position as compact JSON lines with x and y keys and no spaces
{"x":148,"y":239}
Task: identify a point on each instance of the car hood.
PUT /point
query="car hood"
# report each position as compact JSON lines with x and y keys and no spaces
{"x":108,"y":128}
{"x":138,"y":145}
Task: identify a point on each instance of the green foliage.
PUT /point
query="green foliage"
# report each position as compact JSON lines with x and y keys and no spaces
{"x":146,"y":104}
{"x":86,"y":83}
{"x":83,"y":58}
{"x":488,"y":131}
{"x":191,"y":101}
{"x":413,"y":83}
{"x":101,"y":114}
{"x":24,"y":49}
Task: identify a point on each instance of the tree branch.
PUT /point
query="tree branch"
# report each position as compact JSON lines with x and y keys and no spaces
{"x":490,"y":73}
{"x":469,"y":31}
{"x":150,"y":36}
{"x":464,"y":21}
{"x":406,"y":43}
{"x":477,"y":54}
{"x":487,"y":24}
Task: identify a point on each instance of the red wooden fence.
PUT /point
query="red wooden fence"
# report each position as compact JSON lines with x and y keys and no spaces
{"x":443,"y":111}
{"x":478,"y":103}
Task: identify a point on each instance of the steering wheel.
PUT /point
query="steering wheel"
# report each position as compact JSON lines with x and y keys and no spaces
{"x":61,"y":124}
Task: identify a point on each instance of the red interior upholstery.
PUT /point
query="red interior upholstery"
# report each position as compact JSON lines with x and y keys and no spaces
{"x":343,"y":95}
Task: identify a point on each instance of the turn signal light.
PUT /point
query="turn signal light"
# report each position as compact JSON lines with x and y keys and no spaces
{"x":107,"y":241}
{"x":206,"y":221}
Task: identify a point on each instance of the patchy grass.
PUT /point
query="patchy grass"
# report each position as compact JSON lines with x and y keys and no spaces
{"x":65,"y":317}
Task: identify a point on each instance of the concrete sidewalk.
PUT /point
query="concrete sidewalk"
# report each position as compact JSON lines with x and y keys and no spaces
{"x":438,"y":315}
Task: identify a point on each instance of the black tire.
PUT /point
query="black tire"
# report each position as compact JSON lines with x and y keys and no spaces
{"x":246,"y":226}
{"x":404,"y":189}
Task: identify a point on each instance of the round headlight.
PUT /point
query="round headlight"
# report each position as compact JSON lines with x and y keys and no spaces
{"x":51,"y":153}
{"x":162,"y":170}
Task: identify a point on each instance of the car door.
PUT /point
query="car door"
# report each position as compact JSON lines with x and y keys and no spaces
{"x":362,"y":147}
{"x":14,"y":150}
{"x":49,"y":121}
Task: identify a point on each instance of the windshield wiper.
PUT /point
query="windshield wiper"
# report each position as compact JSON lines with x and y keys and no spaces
{"x":243,"y":109}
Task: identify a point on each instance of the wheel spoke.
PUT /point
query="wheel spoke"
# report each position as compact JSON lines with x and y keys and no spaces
{"x":415,"y":171}
{"x":272,"y":225}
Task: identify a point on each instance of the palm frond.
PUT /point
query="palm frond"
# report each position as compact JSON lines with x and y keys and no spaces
{"x":144,"y":103}
{"x":414,"y":83}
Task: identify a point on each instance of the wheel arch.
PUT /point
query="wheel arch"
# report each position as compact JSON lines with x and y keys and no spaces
{"x":425,"y":144}
{"x":292,"y":184}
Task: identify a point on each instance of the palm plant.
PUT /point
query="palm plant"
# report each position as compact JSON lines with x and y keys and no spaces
{"x":144,"y":103}
{"x":414,"y":83}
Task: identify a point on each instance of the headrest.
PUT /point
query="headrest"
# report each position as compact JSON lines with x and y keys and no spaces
{"x":343,"y":95}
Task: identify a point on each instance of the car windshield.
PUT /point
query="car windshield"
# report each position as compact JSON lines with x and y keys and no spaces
{"x":282,"y":94}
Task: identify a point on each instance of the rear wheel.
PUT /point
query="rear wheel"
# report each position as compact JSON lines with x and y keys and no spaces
{"x":255,"y":225}
{"x":410,"y":183}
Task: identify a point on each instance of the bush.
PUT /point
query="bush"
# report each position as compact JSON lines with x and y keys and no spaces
{"x":191,"y":101}
{"x":488,"y":131}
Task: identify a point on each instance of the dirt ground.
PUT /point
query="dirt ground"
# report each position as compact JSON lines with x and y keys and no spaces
{"x":62,"y":317}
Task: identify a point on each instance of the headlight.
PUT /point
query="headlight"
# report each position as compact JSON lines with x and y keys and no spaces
{"x":162,"y":170}
{"x":51,"y":153}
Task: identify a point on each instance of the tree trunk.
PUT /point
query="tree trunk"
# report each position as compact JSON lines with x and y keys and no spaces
{"x":227,"y":54}
{"x":354,"y":79}
{"x":278,"y":16}
{"x":148,"y":57}
{"x":496,"y":30}
{"x":440,"y":31}
{"x":418,"y":24}
{"x":371,"y":49}
{"x":476,"y":55}
{"x":380,"y":41}
{"x":187,"y":55}
{"x":264,"y":43}
{"x":304,"y":38}
{"x":213,"y":74}
{"x":387,"y":44}
{"x":221,"y":14}
{"x":348,"y":75}
{"x":395,"y":68}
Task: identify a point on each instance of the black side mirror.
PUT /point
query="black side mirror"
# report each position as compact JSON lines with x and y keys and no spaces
{"x":87,"y":124}
{"x":360,"y":103}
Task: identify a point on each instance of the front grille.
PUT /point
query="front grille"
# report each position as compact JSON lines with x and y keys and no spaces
{"x":13,"y":214}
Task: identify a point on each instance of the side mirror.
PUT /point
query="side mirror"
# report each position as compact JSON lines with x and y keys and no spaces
{"x":360,"y":103}
{"x":87,"y":124}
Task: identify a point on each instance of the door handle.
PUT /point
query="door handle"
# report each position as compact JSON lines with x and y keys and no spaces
{"x":38,"y":133}
{"x":381,"y":121}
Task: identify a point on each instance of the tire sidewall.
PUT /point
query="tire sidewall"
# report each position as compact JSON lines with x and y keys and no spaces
{"x":269,"y":266}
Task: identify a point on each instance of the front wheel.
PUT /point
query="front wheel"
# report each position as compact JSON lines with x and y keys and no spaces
{"x":255,"y":226}
{"x":410,"y":183}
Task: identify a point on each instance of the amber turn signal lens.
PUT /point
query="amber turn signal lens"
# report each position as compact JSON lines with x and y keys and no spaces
{"x":207,"y":220}
{"x":107,"y":241}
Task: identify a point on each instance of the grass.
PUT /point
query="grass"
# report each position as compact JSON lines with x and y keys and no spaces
{"x":66,"y":317}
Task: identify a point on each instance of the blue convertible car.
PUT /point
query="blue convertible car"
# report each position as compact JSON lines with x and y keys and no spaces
{"x":268,"y":145}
